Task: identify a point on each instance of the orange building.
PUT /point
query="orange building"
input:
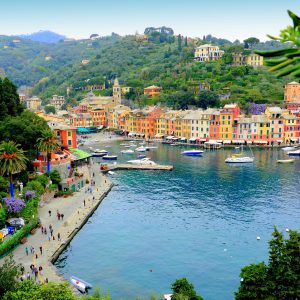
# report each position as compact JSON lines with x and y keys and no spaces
{"x":81,"y":120}
{"x":99,"y":117}
{"x":65,"y":134}
{"x":152,"y":90}
{"x":292,"y":92}
{"x":214,"y":127}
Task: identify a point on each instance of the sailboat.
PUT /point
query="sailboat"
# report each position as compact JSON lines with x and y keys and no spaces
{"x":238,"y":158}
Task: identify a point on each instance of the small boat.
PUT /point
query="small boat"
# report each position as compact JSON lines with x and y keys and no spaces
{"x":111,"y":173}
{"x":173,"y":144}
{"x":127,"y":146}
{"x":285,"y":161}
{"x":91,"y":148}
{"x":238,"y":159}
{"x":110,"y":157}
{"x":100,"y":151}
{"x":151,"y":147}
{"x":141,"y":156}
{"x":142,"y":143}
{"x":98,"y":154}
{"x":141,"y":149}
{"x":290,"y":148}
{"x":143,"y":161}
{"x":237,"y":147}
{"x":192,"y":152}
{"x":80,"y":284}
{"x":124,"y":144}
{"x":294,"y":153}
{"x":128,"y":151}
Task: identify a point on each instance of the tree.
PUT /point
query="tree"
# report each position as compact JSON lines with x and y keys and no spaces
{"x":55,"y":177}
{"x":251,"y":42}
{"x":285,"y":61}
{"x":48,"y":143}
{"x":280,"y":279}
{"x":12,"y":160}
{"x":207,"y":99}
{"x":179,"y":41}
{"x":9,"y":99}
{"x":9,"y":273}
{"x":50,"y":109}
{"x":183,"y":290}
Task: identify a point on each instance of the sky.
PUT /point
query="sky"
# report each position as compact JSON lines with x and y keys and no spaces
{"x":230,"y":19}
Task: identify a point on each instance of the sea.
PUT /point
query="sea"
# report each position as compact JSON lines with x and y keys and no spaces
{"x":200,"y":221}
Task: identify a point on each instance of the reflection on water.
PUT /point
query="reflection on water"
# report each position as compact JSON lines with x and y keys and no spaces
{"x":199,"y":221}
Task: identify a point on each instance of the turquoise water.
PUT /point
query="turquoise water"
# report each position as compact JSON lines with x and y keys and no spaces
{"x":199,"y":221}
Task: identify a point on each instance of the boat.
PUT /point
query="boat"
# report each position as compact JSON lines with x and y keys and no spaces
{"x":290,"y":148}
{"x":192,"y":152}
{"x":141,"y":149}
{"x":110,"y":157}
{"x":151,"y":147}
{"x":98,"y":154}
{"x":100,"y":151}
{"x":294,"y":153}
{"x":111,"y":173}
{"x":128,"y":151}
{"x":173,"y":144}
{"x":141,"y":156}
{"x":239,"y":159}
{"x":285,"y":161}
{"x":124,"y":144}
{"x":80,"y":284}
{"x":213,"y":145}
{"x":237,"y":148}
{"x":143,"y":161}
{"x":142,"y":143}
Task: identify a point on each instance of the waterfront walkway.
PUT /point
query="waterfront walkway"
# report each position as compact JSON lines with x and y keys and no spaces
{"x":76,"y":209}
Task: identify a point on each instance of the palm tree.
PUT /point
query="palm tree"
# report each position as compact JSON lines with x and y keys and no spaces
{"x":48,"y":143}
{"x":12,"y":160}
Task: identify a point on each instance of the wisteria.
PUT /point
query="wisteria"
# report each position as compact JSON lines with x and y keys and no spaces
{"x":14,"y":205}
{"x":30,"y":194}
{"x":257,"y":109}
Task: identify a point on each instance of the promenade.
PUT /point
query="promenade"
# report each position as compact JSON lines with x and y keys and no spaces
{"x":76,"y":209}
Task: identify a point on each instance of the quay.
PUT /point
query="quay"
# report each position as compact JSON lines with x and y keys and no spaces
{"x":138,"y":167}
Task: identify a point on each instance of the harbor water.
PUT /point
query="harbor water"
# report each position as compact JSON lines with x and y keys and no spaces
{"x":199,"y":221}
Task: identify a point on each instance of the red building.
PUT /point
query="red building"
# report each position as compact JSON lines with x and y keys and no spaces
{"x":214,"y":127}
{"x":99,"y":117}
{"x":66,"y":135}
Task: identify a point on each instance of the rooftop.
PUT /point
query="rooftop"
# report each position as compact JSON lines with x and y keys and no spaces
{"x":79,"y":154}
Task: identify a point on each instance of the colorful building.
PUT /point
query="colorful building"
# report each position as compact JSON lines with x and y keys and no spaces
{"x":260,"y":129}
{"x":292,"y":92}
{"x":254,"y":60}
{"x":65,"y":134}
{"x":227,"y":116}
{"x":291,"y":128}
{"x":152,"y":90}
{"x":275,"y":114}
{"x":208,"y":52}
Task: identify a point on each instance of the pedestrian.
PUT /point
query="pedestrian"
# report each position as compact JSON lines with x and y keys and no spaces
{"x":50,"y":227}
{"x":28,"y":276}
{"x":62,"y":216}
{"x":53,"y":238}
{"x":26,"y":251}
{"x":21,"y":278}
{"x":46,"y":281}
{"x":32,"y":268}
{"x":84,"y":202}
{"x":36,"y":256}
{"x":22,"y":270}
{"x":58,"y":236}
{"x":93,"y":174}
{"x":93,"y":197}
{"x":45,"y":231}
{"x":49,"y":213}
{"x":41,"y":250}
{"x":32,"y":250}
{"x":35,"y":273}
{"x":42,"y":229}
{"x":49,"y":238}
{"x":40,"y":269}
{"x":58,"y":216}
{"x":51,"y":231}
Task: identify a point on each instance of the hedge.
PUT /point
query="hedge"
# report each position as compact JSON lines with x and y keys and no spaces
{"x":30,"y":209}
{"x":15,"y":239}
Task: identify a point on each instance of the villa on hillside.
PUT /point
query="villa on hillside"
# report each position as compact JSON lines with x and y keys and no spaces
{"x":152,"y":90}
{"x":57,"y":102}
{"x":208,"y":52}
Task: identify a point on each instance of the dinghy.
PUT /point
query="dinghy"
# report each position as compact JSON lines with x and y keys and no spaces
{"x":80,"y":284}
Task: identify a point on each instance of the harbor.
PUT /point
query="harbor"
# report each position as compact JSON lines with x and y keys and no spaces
{"x":112,"y":167}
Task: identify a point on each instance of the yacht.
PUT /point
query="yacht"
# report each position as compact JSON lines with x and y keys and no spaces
{"x":143,"y":161}
{"x":290,"y":148}
{"x":239,"y":159}
{"x":141,"y":149}
{"x":110,"y":157}
{"x":192,"y":152}
{"x":294,"y":153}
{"x":127,"y":151}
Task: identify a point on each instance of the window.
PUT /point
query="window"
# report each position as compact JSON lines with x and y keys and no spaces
{"x":69,"y":142}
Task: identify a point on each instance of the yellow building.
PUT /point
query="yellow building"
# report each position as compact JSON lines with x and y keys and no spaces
{"x":208,"y":52}
{"x":125,"y":89}
{"x":254,"y":60}
{"x":113,"y":116}
{"x":34,"y":103}
{"x":291,"y":128}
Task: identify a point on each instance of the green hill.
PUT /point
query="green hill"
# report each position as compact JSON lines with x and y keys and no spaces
{"x":51,"y":68}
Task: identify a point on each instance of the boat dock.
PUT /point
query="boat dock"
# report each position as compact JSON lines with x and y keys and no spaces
{"x":139,"y":167}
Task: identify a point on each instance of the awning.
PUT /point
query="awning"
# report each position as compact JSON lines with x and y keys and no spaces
{"x":238,"y":141}
{"x":279,"y":141}
{"x":159,"y":135}
{"x":202,"y":140}
{"x":174,"y":138}
{"x":260,"y":142}
{"x":170,"y":137}
{"x":249,"y":142}
{"x":183,"y":139}
{"x":294,"y":139}
{"x":192,"y":140}
{"x":227,"y":142}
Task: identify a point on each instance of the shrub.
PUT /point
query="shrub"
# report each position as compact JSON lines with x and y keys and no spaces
{"x":43,"y":179}
{"x":54,"y":176}
{"x":2,"y":217}
{"x":14,"y":205}
{"x":53,"y":187}
{"x":36,"y":186}
{"x":29,"y":194}
{"x":30,"y":210}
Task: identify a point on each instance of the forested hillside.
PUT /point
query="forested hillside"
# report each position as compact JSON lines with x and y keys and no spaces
{"x":138,"y":62}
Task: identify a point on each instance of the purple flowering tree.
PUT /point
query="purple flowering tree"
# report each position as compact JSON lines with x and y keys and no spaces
{"x":30,"y":194}
{"x":14,"y":205}
{"x":257,"y":109}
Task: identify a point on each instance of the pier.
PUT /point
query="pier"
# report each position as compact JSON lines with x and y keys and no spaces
{"x":139,"y":167}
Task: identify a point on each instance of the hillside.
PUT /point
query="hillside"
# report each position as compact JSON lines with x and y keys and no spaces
{"x":44,"y":36}
{"x":51,"y":68}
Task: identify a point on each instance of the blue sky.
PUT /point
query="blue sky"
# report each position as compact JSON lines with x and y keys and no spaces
{"x":231,"y":19}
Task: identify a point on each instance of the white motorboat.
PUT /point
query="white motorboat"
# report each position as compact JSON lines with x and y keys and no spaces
{"x":128,"y":151}
{"x":285,"y":161}
{"x":239,"y":159}
{"x":151,"y":147}
{"x":143,"y":161}
{"x":124,"y":144}
{"x":290,"y":148}
{"x":192,"y":152}
{"x":141,"y":149}
{"x":294,"y":153}
{"x":80,"y":284}
{"x":173,"y":144}
{"x":100,"y":151}
{"x":111,"y":173}
{"x":142,"y":143}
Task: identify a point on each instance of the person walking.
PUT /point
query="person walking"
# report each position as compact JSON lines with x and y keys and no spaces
{"x":51,"y":231}
{"x":28,"y":276}
{"x":49,"y":213}
{"x":26,"y":250}
{"x":40,"y":269}
{"x":41,"y":250}
{"x":58,"y":236}
{"x":58,"y":216}
{"x":45,"y":231}
{"x":62,"y":217}
{"x":49,"y":238}
{"x":42,"y":229}
{"x":22,"y":270}
{"x":35,"y":273}
{"x":83,"y":202}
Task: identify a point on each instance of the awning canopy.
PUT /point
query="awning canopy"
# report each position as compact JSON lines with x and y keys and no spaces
{"x":279,"y":141}
{"x":183,"y":139}
{"x":227,"y":142}
{"x":192,"y":140}
{"x":260,"y":142}
{"x":294,"y":139}
{"x":202,"y":140}
{"x":238,"y":141}
{"x":170,"y":137}
{"x":249,"y":142}
{"x":159,"y":135}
